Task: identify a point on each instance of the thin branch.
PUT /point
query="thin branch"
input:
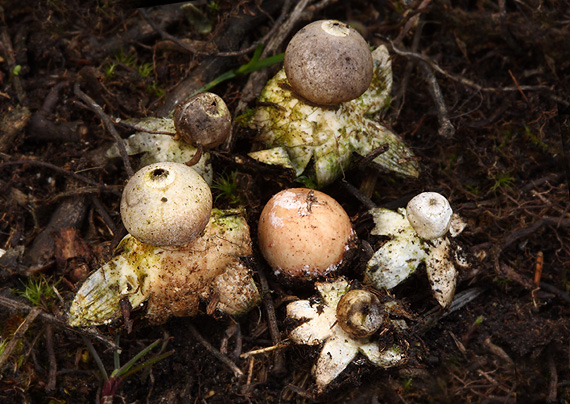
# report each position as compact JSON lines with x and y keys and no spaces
{"x":166,"y":36}
{"x":527,"y":231}
{"x":58,"y":169}
{"x":51,"y":385}
{"x":414,"y":16}
{"x":17,"y":306}
{"x":104,"y":214}
{"x":446,"y":128}
{"x":221,"y":357}
{"x":271,"y":317}
{"x":253,"y":46}
{"x":8,"y":53}
{"x":459,"y":79}
{"x":108,"y":124}
{"x":19,"y":334}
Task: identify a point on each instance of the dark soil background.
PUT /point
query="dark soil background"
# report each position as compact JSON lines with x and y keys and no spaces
{"x":503,"y":76}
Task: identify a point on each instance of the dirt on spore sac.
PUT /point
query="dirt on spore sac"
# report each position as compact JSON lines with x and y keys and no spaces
{"x":480,"y":96}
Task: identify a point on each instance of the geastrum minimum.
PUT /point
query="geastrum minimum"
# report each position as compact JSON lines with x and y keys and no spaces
{"x":345,"y":321}
{"x":315,"y":138}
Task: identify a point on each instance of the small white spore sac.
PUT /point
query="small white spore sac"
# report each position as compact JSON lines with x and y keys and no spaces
{"x":419,"y":238}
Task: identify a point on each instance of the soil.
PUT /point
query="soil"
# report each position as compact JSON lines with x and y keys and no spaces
{"x":502,"y":71}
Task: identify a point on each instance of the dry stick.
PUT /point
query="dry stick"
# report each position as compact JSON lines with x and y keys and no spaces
{"x":271,"y":317}
{"x":114,"y":189}
{"x":553,"y":289}
{"x":238,"y":26}
{"x":412,"y":21}
{"x":363,"y":199}
{"x":302,"y":11}
{"x":524,"y":232}
{"x":50,"y":166}
{"x":166,"y":36}
{"x":8,"y":51}
{"x":17,"y":306}
{"x":498,"y":351}
{"x":221,"y":357}
{"x":517,"y":85}
{"x":257,"y":80}
{"x":22,"y":328}
{"x":446,"y":128}
{"x":104,"y":214}
{"x":262,"y":350}
{"x":108,"y":124}
{"x":401,"y":96}
{"x":462,"y":80}
{"x":12,"y":123}
{"x":52,"y":361}
{"x":553,"y":387}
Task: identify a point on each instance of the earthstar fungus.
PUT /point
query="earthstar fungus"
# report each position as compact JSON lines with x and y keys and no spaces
{"x":322,"y":326}
{"x":407,"y":247}
{"x":173,"y":275}
{"x":318,"y":142}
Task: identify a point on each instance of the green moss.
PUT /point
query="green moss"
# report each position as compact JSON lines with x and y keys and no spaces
{"x":38,"y":291}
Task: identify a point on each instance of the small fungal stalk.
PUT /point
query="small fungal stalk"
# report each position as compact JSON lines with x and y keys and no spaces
{"x":418,"y":234}
{"x":318,"y":142}
{"x":345,"y":321}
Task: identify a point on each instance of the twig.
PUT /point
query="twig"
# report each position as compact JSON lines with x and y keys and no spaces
{"x":446,"y":128}
{"x":222,"y":358}
{"x":104,"y":214}
{"x":52,"y":98}
{"x":564,"y":129}
{"x":51,"y":167}
{"x":520,"y":233}
{"x":459,"y":79}
{"x":8,"y":53}
{"x":108,"y":124}
{"x":166,"y":36}
{"x":258,"y":79}
{"x":253,"y":46}
{"x":537,"y":274}
{"x":431,"y":318}
{"x":12,"y":123}
{"x":553,"y":289}
{"x":22,"y":328}
{"x":114,"y":189}
{"x":498,"y":351}
{"x":50,"y":387}
{"x":412,"y":21}
{"x":262,"y":350}
{"x":553,"y":387}
{"x":363,"y":199}
{"x":517,"y":85}
{"x":271,"y":317}
{"x":401,"y":96}
{"x":17,"y":306}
